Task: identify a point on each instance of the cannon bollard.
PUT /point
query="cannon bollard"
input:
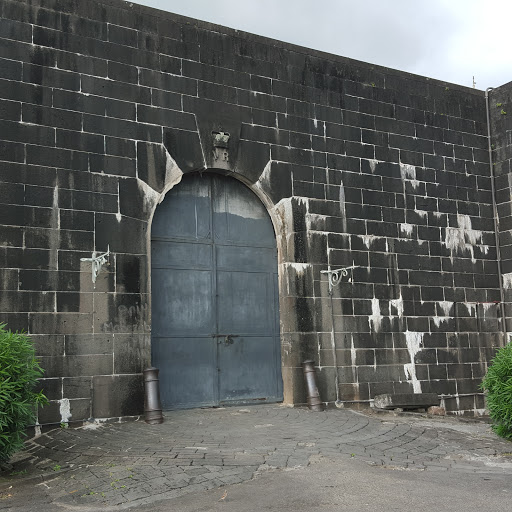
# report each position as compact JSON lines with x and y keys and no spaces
{"x":152,"y":404}
{"x":314,"y":402}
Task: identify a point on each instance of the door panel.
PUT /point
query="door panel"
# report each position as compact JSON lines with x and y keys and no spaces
{"x":181,"y":255}
{"x":187,"y":370}
{"x":245,"y":373}
{"x":239,"y":216}
{"x":188,"y":312}
{"x":251,"y":259}
{"x":185,"y":212}
{"x":214,"y":274}
{"x":243,"y":303}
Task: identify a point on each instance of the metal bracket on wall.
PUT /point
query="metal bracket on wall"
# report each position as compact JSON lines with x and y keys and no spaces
{"x":335,"y":275}
{"x":97,"y":262}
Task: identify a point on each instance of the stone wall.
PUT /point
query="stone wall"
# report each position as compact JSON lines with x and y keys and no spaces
{"x":104,"y":105}
{"x":500,"y":113}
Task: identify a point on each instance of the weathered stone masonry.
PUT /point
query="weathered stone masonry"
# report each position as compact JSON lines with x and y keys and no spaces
{"x":105,"y":104}
{"x":500,"y":103}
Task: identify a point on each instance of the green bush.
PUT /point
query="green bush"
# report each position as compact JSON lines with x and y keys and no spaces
{"x":19,"y":371}
{"x":498,"y":385}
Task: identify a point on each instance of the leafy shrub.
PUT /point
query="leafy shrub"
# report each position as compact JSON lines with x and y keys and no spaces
{"x":19,"y":371}
{"x":498,"y":384}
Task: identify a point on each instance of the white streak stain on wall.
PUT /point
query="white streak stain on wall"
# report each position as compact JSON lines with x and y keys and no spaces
{"x":507,"y":280}
{"x":299,"y":268}
{"x":367,"y":240}
{"x":54,"y":233}
{"x":353,"y":356}
{"x":64,"y":410}
{"x":406,"y":229}
{"x":151,"y":196}
{"x":375,"y":318}
{"x":173,"y":173}
{"x":264,"y":179}
{"x":316,"y":222}
{"x":445,"y":306}
{"x":487,"y":306}
{"x":471,"y":307}
{"x":398,"y":304}
{"x":342,"y":207}
{"x":118,"y":214}
{"x":298,"y":271}
{"x":414,"y":341}
{"x":285,"y":209}
{"x":463,"y":237}
{"x":438,"y":319}
{"x":408,"y":173}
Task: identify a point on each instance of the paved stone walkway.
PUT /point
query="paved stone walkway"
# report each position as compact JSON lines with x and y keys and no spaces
{"x":123,"y":465}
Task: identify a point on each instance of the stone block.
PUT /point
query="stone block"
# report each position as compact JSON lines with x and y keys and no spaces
{"x":49,"y":413}
{"x":405,"y":401}
{"x":114,"y":396}
{"x":76,"y":387}
{"x":436,"y":410}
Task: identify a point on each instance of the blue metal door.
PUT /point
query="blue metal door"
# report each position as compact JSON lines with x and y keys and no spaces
{"x":215,"y":309}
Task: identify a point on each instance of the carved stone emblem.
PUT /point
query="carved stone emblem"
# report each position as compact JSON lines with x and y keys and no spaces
{"x":220,"y":149}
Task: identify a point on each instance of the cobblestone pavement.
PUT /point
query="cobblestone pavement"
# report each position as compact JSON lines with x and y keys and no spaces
{"x":123,"y":465}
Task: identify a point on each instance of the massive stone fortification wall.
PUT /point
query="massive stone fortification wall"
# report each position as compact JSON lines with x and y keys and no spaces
{"x":104,"y":105}
{"x":500,"y":115}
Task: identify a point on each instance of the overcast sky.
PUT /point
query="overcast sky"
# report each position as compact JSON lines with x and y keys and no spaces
{"x":450,"y":40}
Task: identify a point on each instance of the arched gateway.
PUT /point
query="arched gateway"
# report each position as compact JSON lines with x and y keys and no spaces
{"x":215,"y":307}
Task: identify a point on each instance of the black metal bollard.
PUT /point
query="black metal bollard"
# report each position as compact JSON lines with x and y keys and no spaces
{"x":314,"y":402}
{"x":152,"y":404}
